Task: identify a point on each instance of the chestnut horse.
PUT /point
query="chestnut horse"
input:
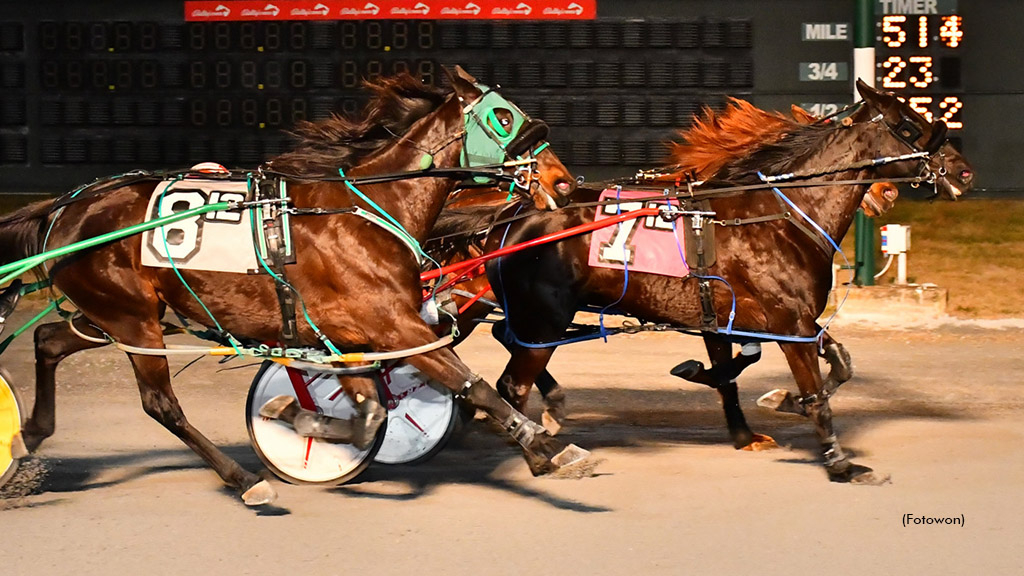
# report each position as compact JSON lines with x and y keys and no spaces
{"x":357,"y":280}
{"x":778,"y":274}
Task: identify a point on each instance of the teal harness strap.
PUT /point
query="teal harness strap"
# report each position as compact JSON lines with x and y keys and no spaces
{"x":512,"y":186}
{"x":167,"y":249}
{"x":49,"y":308}
{"x":302,"y":303}
{"x":382,"y":211}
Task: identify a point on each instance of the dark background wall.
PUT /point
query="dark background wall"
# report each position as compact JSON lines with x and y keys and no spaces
{"x":93,"y":87}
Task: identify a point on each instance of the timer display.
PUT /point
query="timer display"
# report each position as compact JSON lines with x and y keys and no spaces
{"x":919,"y":55}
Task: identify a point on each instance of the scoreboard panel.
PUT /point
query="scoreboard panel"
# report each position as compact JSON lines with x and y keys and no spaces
{"x":100,"y":87}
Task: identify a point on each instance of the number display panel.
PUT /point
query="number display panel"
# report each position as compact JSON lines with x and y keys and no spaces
{"x":920,"y":55}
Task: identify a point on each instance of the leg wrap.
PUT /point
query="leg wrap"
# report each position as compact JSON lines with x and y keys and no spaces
{"x":312,"y":425}
{"x":360,"y":430}
{"x":836,"y":461}
{"x":466,"y":391}
{"x":521,"y":428}
{"x":833,"y":452}
{"x":841,"y":367}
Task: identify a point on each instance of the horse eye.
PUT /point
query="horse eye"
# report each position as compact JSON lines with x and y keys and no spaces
{"x":504,"y":118}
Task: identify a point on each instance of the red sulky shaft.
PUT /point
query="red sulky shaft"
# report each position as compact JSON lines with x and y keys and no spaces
{"x":462,"y":268}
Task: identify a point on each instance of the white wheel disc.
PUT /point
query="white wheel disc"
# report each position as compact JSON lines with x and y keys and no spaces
{"x":292,"y":457}
{"x":10,"y":426}
{"x":421,"y":416}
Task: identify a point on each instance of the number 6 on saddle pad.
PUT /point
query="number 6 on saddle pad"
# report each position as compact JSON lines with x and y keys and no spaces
{"x":421,"y":418}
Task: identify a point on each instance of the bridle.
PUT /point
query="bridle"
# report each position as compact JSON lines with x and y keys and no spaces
{"x":486,"y":140}
{"x":909,"y":131}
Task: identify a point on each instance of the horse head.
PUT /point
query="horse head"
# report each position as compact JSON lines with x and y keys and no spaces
{"x":945,"y":166}
{"x":497,"y":131}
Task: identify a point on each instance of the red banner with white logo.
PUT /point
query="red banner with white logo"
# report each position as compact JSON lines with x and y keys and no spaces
{"x":226,"y":10}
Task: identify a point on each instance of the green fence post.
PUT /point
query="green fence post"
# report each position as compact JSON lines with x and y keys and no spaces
{"x":864,"y":68}
{"x":864,"y":250}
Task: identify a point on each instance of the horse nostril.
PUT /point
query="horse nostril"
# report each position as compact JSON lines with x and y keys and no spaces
{"x":965,"y":176}
{"x":563,"y":186}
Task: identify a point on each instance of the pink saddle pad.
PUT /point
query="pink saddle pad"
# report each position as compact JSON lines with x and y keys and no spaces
{"x":647,"y":244}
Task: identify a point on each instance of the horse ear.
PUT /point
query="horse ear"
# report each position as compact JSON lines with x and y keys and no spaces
{"x":465,"y":75}
{"x":463,"y":83}
{"x":880,"y":101}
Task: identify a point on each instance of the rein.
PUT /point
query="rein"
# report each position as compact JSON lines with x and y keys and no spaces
{"x":691,"y":194}
{"x":496,"y":171}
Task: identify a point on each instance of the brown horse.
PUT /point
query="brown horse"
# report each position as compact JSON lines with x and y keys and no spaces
{"x":778,"y":270}
{"x":357,"y":280}
{"x":739,"y":118}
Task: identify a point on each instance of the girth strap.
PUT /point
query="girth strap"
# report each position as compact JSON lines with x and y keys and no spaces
{"x":275,"y":232}
{"x":708,"y":320}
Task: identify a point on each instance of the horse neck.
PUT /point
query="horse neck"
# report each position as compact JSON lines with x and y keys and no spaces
{"x":833,"y":206}
{"x":414,"y":202}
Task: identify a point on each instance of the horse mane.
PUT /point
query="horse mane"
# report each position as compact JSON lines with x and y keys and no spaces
{"x":395,"y":104}
{"x":717,"y":139}
{"x":782,"y":155}
{"x":741,"y":140}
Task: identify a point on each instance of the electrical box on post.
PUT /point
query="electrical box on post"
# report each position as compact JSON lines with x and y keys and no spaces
{"x":895,"y":239}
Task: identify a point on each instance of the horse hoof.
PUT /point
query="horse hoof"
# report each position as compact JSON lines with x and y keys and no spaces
{"x":275,"y":406}
{"x":261,"y":493}
{"x":760,"y":442}
{"x":781,"y":401}
{"x":18,"y":448}
{"x":688,"y":370}
{"x":550,"y":422}
{"x":575,"y":462}
{"x":371,"y":421}
{"x":871,"y":478}
{"x":861,"y":475}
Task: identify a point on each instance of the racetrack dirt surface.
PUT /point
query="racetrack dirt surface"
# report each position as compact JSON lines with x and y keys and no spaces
{"x":940,"y":409}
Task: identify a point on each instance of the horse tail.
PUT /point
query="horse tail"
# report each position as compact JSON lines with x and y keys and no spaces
{"x":21,"y":231}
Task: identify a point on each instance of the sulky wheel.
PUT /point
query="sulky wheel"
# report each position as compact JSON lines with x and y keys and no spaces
{"x":11,"y":446}
{"x":421,"y":416}
{"x":294,"y":458}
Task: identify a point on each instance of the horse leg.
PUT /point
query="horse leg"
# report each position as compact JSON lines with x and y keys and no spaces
{"x":803,"y":361}
{"x":840,"y":371}
{"x":839,"y":361}
{"x":528,"y":366}
{"x":160,"y":403}
{"x":53,"y":343}
{"x":554,"y":414}
{"x":722,"y":377}
{"x":360,"y":430}
{"x":544,"y":454}
{"x":726,"y":368}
